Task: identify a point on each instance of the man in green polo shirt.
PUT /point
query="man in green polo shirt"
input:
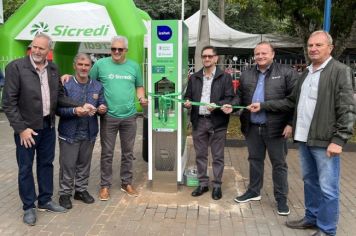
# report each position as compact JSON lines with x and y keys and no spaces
{"x":121,"y":79}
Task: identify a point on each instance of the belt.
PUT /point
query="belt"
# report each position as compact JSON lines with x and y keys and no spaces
{"x":259,"y":125}
{"x":47,"y":118}
{"x":207,"y":116}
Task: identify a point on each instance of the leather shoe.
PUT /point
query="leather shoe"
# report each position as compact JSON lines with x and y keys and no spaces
{"x":52,"y":207}
{"x":216,"y":194}
{"x":300,"y":224}
{"x":127,"y":188}
{"x":29,"y":216}
{"x":64,"y":201}
{"x":320,"y":233}
{"x":84,"y":197}
{"x":200,"y":191}
{"x":104,"y":194}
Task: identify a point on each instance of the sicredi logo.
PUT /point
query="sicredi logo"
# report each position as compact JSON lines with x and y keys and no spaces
{"x":66,"y":30}
{"x":164,"y":32}
{"x":41,"y":27}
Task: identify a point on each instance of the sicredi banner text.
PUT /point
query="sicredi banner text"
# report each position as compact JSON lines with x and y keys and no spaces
{"x":75,"y":22}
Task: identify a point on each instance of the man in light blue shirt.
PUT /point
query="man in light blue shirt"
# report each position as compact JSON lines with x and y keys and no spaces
{"x":324,"y":116}
{"x":266,"y":131}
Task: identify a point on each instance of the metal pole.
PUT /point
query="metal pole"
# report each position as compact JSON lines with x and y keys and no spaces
{"x":182,"y":15}
{"x":203,"y":38}
{"x":327,"y":15}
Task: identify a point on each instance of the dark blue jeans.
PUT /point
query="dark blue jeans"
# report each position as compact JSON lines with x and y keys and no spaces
{"x":321,"y":176}
{"x":44,"y":149}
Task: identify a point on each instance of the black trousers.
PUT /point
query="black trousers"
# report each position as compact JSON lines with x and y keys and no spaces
{"x":258,"y":142}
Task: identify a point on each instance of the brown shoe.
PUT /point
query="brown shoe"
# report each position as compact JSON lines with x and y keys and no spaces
{"x":302,"y":223}
{"x":104,"y":194}
{"x":127,"y":188}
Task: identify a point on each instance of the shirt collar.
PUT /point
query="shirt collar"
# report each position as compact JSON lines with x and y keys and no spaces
{"x":267,"y":69}
{"x":212,"y":73}
{"x":321,"y":67}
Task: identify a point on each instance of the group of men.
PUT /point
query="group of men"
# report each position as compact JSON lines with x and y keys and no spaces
{"x":316,"y":109}
{"x":34,"y":94}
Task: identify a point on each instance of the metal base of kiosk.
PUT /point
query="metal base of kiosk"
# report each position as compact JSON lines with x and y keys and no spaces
{"x":164,"y":149}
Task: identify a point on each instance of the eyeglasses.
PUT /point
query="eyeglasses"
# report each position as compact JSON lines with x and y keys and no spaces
{"x":207,"y":56}
{"x":118,"y":49}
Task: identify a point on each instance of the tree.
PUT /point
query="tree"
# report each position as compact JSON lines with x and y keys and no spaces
{"x":10,"y":6}
{"x":307,"y":16}
{"x":167,"y":9}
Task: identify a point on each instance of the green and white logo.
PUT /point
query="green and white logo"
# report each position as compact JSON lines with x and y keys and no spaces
{"x":41,"y":27}
{"x":66,"y":30}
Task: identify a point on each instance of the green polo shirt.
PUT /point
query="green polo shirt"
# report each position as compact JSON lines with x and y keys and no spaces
{"x":120,"y":82}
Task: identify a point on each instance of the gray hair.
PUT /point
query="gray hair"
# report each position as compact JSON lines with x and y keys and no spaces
{"x":328,"y":36}
{"x":81,"y":55}
{"x":46,"y":36}
{"x":120,"y":38}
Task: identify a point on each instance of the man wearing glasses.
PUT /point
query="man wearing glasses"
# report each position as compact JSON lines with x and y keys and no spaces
{"x":121,"y":79}
{"x":212,"y":86}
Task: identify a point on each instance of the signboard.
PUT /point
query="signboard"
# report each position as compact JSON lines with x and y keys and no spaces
{"x":74,"y":22}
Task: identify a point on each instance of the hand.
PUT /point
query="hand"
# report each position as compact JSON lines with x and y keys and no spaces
{"x":287,"y":132}
{"x":254,"y":107}
{"x":80,"y":111}
{"x":90,"y":108}
{"x":187,"y":104}
{"x":211,"y":107}
{"x":333,"y":150}
{"x":143,"y":101}
{"x":26,"y":137}
{"x":65,"y":78}
{"x":226,"y":108}
{"x":102,"y":109}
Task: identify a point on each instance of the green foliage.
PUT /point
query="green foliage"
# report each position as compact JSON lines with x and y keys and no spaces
{"x":10,"y":7}
{"x":307,"y":16}
{"x":164,"y":10}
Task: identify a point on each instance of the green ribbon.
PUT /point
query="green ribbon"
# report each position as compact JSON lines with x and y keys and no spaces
{"x":165,"y":102}
{"x":171,"y":97}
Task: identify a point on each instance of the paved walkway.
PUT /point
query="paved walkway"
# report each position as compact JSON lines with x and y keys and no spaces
{"x":169,"y":214}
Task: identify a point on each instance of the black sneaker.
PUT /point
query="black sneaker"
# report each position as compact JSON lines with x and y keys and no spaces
{"x":64,"y":201}
{"x":282,"y":208}
{"x":248,"y":196}
{"x":84,"y":197}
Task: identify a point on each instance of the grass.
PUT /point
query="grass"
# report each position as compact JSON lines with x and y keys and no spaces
{"x":234,"y":131}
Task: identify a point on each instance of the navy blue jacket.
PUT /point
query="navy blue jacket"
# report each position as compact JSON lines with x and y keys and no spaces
{"x":69,"y":120}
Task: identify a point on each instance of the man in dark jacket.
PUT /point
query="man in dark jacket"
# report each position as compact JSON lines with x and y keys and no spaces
{"x":212,"y":86}
{"x":31,"y":93}
{"x":266,"y":130}
{"x":77,"y":131}
{"x":324,"y":115}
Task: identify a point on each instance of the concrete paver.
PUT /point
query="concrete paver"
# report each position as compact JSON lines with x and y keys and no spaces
{"x":154,"y":213}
